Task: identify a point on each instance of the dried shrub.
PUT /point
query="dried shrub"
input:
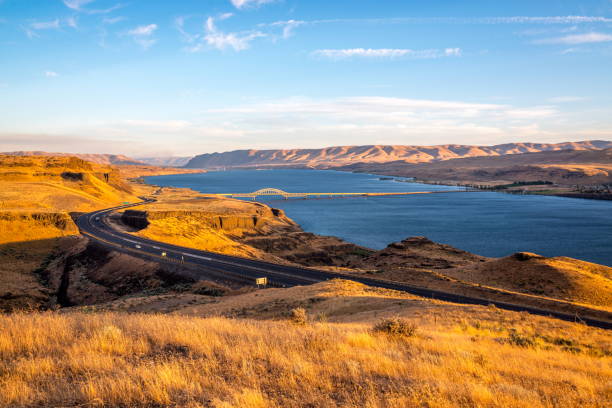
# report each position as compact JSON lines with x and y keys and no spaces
{"x":299,"y":316}
{"x":396,"y":327}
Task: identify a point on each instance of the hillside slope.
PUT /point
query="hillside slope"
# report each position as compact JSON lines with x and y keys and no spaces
{"x":341,"y":155}
{"x":558,"y":277}
{"x":450,"y":356}
{"x":563,"y":167}
{"x":107,"y":159}
{"x":37,"y":196}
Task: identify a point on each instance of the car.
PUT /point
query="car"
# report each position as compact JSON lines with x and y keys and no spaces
{"x":138,"y":246}
{"x":163,"y":254}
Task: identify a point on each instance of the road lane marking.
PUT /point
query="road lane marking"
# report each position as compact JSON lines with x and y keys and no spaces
{"x":197,"y":256}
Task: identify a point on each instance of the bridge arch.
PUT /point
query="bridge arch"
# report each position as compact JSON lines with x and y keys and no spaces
{"x":270,"y":192}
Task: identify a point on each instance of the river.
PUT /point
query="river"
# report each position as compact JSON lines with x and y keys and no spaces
{"x":485,"y":223}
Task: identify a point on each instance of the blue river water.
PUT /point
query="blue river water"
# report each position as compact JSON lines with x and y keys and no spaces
{"x":485,"y":223}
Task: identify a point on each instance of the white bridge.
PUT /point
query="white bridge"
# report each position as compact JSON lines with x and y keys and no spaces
{"x":275,"y":192}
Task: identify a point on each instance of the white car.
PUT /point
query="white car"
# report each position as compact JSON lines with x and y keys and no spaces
{"x":138,"y":246}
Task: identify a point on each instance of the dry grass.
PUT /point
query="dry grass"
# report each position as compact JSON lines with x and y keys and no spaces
{"x":155,"y":360}
{"x":558,"y":277}
{"x":182,"y":217}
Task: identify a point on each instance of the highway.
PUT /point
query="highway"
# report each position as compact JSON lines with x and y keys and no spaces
{"x":211,"y":266}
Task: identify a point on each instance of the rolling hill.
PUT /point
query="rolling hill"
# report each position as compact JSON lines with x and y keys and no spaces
{"x":563,"y":167}
{"x":343,"y":155}
{"x":106,"y":159}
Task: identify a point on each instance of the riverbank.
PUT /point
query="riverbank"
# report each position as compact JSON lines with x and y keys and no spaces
{"x":569,"y":173}
{"x":546,"y":188}
{"x":255,"y":230}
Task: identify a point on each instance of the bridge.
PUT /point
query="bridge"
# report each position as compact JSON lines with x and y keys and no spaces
{"x":275,"y":192}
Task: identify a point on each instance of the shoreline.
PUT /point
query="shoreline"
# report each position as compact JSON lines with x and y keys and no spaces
{"x":383,"y":241}
{"x":397,"y":257}
{"x":502,"y":186}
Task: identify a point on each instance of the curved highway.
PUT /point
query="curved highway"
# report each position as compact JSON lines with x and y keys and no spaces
{"x":209,"y":265}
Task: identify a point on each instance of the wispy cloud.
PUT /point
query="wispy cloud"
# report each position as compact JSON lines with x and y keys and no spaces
{"x":387,"y":53}
{"x":45,"y":25}
{"x":72,"y":22}
{"x":32,"y":28}
{"x":564,"y":20}
{"x":213,"y":37}
{"x":77,"y":4}
{"x":574,"y":39}
{"x":362,"y":120}
{"x":288,"y":26}
{"x":51,"y":74}
{"x":545,"y":20}
{"x":242,"y":4}
{"x":145,"y":30}
{"x":143,"y":35}
{"x":566,"y":99}
{"x":113,"y":20}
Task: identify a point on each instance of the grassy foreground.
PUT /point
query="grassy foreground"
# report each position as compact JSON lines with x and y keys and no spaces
{"x":107,"y":359}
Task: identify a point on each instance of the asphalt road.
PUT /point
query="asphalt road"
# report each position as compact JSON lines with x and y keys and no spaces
{"x":209,"y":265}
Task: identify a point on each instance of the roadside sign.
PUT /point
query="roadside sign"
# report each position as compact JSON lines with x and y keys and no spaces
{"x":261,"y":281}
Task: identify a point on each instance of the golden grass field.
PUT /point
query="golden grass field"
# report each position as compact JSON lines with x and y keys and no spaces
{"x":243,"y":349}
{"x":133,"y":360}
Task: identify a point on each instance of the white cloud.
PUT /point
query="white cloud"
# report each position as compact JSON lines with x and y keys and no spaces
{"x":72,"y":22}
{"x":32,"y":28}
{"x":113,"y":20}
{"x":51,"y":74}
{"x":77,"y":4}
{"x":242,"y":4}
{"x":142,"y":35}
{"x":159,"y":125}
{"x":574,"y":39}
{"x":46,"y":25}
{"x":288,"y":26}
{"x":145,"y":30}
{"x":546,"y":20}
{"x":472,"y":20}
{"x":566,"y":99}
{"x":370,"y":119}
{"x":215,"y":38}
{"x":386,"y":53}
{"x":359,"y":111}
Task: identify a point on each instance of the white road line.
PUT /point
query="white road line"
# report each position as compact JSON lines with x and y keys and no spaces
{"x":197,"y":256}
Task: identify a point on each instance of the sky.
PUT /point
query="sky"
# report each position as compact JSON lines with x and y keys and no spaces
{"x":183,"y":77}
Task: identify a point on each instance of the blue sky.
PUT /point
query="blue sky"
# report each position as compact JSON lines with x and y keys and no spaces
{"x":153,"y":77}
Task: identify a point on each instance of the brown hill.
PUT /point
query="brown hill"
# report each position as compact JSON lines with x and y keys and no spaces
{"x":37,"y":195}
{"x":342,"y":155}
{"x":559,"y":277}
{"x":564,"y":167}
{"x":107,"y":159}
{"x":44,"y":183}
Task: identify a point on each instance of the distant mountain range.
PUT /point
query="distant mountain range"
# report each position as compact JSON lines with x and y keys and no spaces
{"x":344,"y":155}
{"x":106,"y":159}
{"x":166,"y":161}
{"x":568,"y":167}
{"x":112,"y":159}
